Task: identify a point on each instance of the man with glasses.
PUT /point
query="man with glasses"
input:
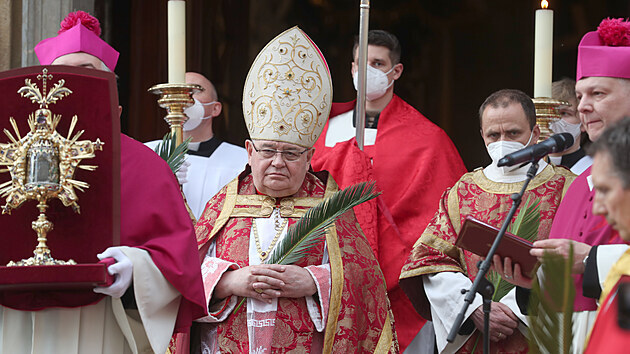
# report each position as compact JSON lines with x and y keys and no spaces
{"x":333,"y":299}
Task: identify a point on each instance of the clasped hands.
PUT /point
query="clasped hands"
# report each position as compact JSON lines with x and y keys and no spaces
{"x":266,"y":282}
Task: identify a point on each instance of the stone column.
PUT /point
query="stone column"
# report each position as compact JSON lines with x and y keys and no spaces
{"x":9,"y":30}
{"x":41,"y":18}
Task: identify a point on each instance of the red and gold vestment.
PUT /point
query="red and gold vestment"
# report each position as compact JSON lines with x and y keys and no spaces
{"x":357,"y":315}
{"x":477,"y":196}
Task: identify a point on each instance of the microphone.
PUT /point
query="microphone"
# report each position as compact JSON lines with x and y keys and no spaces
{"x":556,"y":143}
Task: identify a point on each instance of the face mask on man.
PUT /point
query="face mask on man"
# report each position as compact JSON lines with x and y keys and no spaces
{"x":562,"y":126}
{"x":498,"y":149}
{"x":377,"y":82}
{"x":195,"y":115}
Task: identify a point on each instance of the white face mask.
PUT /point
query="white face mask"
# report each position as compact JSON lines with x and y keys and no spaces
{"x":562,"y":126}
{"x":195,"y":115}
{"x":499,"y":149}
{"x":377,"y":82}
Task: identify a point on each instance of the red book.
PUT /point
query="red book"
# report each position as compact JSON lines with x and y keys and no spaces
{"x":477,"y":237}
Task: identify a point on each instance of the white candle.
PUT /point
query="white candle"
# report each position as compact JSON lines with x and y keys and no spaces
{"x":543,"y":51}
{"x":176,"y":41}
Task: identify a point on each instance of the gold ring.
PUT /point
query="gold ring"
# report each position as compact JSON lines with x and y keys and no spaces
{"x":260,"y":291}
{"x":501,"y":335}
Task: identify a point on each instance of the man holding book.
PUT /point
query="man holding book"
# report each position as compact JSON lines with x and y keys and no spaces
{"x":437,"y":270}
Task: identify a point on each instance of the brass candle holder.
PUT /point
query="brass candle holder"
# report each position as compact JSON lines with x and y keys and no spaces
{"x":175,"y":98}
{"x":547,"y":113}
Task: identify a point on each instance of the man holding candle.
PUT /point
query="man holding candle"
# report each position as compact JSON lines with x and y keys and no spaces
{"x":437,"y":270}
{"x":210,"y":163}
{"x":411,"y":159}
{"x":157,"y":288}
{"x":603,"y":88}
{"x":331,"y":300}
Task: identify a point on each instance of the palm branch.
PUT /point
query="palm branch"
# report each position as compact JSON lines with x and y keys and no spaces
{"x":173,"y":154}
{"x":525,"y":225}
{"x":551,"y":306}
{"x":310,"y":228}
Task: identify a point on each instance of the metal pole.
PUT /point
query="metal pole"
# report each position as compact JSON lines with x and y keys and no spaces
{"x":364,"y":21}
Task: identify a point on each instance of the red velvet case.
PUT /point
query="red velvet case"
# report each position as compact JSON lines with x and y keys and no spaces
{"x":94,"y":100}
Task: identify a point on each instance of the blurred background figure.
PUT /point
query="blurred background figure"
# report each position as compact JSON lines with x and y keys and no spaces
{"x":573,"y":158}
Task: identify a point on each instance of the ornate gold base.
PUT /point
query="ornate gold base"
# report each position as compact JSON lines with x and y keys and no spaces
{"x":40,"y":259}
{"x":546,"y":113}
{"x":175,"y":98}
{"x":41,"y":253}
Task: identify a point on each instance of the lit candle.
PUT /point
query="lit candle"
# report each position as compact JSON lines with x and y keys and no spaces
{"x":176,"y":41}
{"x":543,"y":51}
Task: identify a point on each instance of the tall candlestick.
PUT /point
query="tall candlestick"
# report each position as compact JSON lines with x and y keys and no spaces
{"x":543,"y":51}
{"x":176,"y":41}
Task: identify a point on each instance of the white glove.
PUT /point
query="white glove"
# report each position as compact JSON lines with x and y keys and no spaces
{"x":122,"y":270}
{"x":182,"y":173}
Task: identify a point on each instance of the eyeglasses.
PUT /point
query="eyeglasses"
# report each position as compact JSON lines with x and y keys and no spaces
{"x":286,"y":155}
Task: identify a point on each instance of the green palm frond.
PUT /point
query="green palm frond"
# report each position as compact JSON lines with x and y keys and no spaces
{"x":173,"y":154}
{"x":308,"y":231}
{"x":525,"y":225}
{"x":528,"y":220}
{"x":551,"y":306}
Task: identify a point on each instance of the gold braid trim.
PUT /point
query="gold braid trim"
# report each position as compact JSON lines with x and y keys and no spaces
{"x":228,"y":206}
{"x":508,"y":188}
{"x":385,"y":340}
{"x":336,"y":289}
{"x":430,"y":270}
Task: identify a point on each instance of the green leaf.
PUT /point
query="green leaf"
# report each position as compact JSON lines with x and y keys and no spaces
{"x":551,"y":306}
{"x":525,"y":225}
{"x":173,"y":154}
{"x":309,"y":230}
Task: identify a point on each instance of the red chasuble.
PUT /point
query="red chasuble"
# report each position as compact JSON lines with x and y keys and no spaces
{"x":412,"y":161}
{"x":154,"y":218}
{"x":359,"y":319}
{"x":488,"y":201}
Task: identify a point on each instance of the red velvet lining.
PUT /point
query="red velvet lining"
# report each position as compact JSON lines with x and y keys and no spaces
{"x":94,"y":100}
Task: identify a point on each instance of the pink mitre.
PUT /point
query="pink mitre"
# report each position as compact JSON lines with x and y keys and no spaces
{"x":79,"y":33}
{"x":605,"y":52}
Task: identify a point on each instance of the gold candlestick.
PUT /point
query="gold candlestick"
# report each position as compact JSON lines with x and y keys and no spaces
{"x":547,"y":113}
{"x":175,"y":98}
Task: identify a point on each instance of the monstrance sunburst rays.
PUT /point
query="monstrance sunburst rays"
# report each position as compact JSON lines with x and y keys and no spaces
{"x":43,"y":162}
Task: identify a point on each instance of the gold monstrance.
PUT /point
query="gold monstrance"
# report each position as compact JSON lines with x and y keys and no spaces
{"x":42,"y":164}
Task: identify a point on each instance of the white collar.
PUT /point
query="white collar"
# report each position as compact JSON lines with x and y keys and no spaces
{"x":496,"y":174}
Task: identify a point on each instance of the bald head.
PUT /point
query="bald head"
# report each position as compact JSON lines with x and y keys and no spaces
{"x":209,"y":93}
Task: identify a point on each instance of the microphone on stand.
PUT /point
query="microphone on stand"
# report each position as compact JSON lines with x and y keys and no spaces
{"x":556,"y":143}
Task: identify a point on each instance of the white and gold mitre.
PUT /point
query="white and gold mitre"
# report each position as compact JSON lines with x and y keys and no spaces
{"x":288,"y":91}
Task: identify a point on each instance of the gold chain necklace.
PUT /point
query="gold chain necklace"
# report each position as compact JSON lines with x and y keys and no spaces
{"x":279,"y":227}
